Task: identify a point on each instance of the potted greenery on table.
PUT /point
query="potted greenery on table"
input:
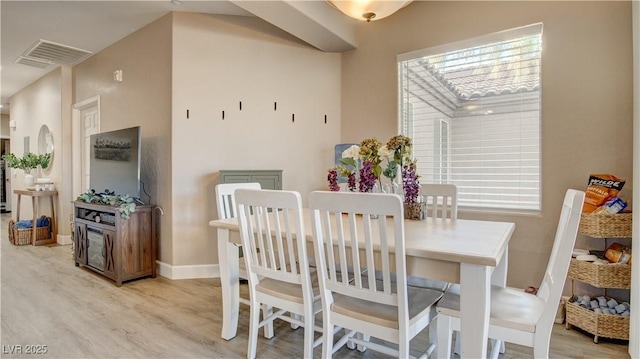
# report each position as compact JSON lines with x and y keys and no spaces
{"x":26,"y":163}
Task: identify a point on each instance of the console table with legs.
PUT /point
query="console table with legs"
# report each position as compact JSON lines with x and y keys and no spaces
{"x":35,"y":204}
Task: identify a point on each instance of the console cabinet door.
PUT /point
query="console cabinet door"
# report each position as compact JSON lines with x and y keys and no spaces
{"x":80,"y":243}
{"x":109,"y":250}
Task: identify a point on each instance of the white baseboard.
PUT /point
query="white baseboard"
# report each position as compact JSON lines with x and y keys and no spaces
{"x":188,"y":271}
{"x":63,"y":240}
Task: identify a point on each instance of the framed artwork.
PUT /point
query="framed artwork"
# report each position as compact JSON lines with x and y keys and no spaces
{"x":112,"y":148}
{"x":338,"y":149}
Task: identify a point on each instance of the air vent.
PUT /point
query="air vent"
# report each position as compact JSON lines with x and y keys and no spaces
{"x":56,"y":53}
{"x":32,"y":62}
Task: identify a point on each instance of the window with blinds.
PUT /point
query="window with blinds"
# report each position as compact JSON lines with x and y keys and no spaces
{"x":472,"y":109}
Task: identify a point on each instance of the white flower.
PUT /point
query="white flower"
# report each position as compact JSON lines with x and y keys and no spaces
{"x":352,"y":152}
{"x":385,"y":153}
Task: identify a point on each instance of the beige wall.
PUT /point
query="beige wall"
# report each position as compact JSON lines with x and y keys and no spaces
{"x":143,"y":99}
{"x":36,"y":105}
{"x":586,"y":96}
{"x":207,"y":64}
{"x":218,"y":62}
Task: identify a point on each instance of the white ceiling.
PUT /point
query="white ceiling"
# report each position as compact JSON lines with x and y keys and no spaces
{"x":93,"y":25}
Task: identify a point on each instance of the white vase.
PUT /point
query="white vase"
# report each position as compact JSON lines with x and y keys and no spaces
{"x":28,"y":180}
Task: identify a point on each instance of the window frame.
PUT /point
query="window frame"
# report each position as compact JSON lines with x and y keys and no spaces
{"x":403,"y":100}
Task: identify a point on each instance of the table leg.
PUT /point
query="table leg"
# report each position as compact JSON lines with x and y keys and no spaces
{"x":499,"y":278}
{"x":18,"y":208}
{"x":54,"y":228}
{"x":34,"y":229}
{"x":475,"y":304}
{"x":228,"y":255}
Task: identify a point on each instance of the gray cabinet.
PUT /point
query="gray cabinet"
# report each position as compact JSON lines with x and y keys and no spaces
{"x":268,"y":179}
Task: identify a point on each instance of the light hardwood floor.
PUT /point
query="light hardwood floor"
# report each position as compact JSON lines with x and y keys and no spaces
{"x":46,"y":300}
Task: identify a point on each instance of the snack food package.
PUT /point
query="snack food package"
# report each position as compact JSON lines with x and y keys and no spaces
{"x":612,"y":206}
{"x":601,"y":187}
{"x":618,"y":253}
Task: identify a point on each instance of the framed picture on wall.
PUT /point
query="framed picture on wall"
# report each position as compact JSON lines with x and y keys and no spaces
{"x":339,"y":148}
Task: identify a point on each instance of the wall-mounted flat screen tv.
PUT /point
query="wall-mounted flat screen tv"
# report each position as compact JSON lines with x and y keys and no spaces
{"x":115,"y":162}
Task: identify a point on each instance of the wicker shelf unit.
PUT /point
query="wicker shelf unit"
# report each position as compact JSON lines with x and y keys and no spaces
{"x":603,"y":276}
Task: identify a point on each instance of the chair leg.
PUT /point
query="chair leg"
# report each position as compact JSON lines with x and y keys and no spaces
{"x":296,"y":317}
{"x":444,"y":336}
{"x":433,"y":331}
{"x":364,"y":337}
{"x":254,"y":321}
{"x":541,"y":345}
{"x":403,"y":345}
{"x":267,"y":311}
{"x":495,"y":348}
{"x":327,"y":337}
{"x":309,"y":325}
{"x":456,"y":346}
{"x":351,"y":345}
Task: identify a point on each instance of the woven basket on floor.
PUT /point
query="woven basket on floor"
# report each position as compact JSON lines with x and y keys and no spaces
{"x":600,"y":325}
{"x":612,"y":275}
{"x":606,"y":225}
{"x":22,"y":236}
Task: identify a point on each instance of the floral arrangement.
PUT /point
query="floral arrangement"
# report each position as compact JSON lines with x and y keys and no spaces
{"x":366,"y":160}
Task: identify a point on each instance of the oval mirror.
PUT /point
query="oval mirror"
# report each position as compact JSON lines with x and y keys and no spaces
{"x":45,"y":143}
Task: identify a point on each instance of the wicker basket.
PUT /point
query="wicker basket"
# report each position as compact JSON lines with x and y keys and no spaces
{"x":606,"y":225}
{"x":22,"y":236}
{"x":600,"y":325}
{"x":601,"y":275}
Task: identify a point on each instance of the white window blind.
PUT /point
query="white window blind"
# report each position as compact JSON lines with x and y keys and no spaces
{"x":472,"y":109}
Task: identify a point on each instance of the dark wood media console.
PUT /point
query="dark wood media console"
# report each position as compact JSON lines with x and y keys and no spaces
{"x":119,"y":249}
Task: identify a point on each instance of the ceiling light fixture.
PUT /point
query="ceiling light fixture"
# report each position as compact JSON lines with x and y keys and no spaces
{"x":176,"y":2}
{"x":368,"y":9}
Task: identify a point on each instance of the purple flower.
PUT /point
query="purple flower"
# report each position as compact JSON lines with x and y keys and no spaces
{"x":351,"y":182}
{"x":410,"y":183}
{"x":367,"y":178}
{"x":332,"y":177}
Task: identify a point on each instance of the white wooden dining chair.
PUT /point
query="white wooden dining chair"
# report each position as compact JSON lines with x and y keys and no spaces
{"x":441,"y":200}
{"x":225,"y":199}
{"x":226,"y":203}
{"x":275,"y":251}
{"x":516,"y":316}
{"x":364,"y":229}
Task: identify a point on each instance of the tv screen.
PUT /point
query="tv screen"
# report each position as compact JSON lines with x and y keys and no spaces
{"x":115,"y":162}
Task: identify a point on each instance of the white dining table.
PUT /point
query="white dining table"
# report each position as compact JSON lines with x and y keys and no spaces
{"x":469,"y":252}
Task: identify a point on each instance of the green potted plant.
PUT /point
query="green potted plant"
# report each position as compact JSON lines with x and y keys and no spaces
{"x":26,"y":163}
{"x":126,"y":204}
